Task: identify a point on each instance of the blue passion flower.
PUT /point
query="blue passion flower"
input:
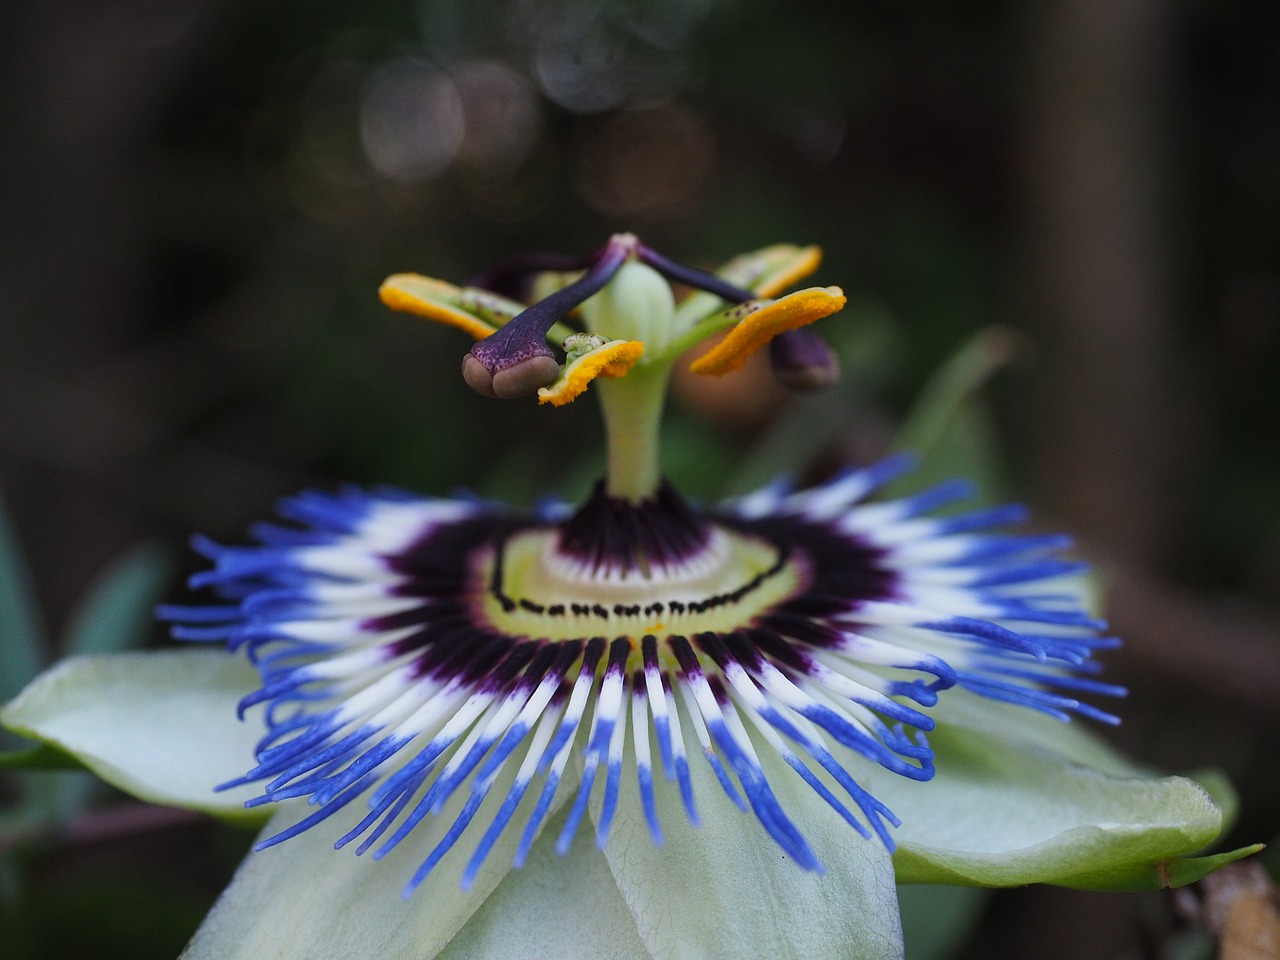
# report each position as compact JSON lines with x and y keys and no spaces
{"x":413,"y":651}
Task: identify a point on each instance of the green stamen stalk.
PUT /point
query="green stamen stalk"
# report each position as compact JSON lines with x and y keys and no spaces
{"x":636,"y":305}
{"x":632,"y":409}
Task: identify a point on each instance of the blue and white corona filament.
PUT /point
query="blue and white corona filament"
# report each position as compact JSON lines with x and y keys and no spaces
{"x":415,"y":650}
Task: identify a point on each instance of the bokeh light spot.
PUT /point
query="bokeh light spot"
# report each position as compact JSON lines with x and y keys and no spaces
{"x":412,"y":121}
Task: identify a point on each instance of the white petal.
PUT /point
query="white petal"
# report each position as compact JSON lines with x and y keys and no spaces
{"x":159,"y":725}
{"x":302,"y":898}
{"x":1017,"y":804}
{"x":725,"y":890}
{"x":1031,"y":728}
{"x":556,"y":908}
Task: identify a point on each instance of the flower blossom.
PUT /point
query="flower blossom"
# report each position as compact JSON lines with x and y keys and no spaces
{"x":445,"y":682}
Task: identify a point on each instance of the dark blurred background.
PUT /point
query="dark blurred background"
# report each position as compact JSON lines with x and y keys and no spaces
{"x":198,"y":199}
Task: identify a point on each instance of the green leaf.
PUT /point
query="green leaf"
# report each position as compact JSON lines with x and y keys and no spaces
{"x":303,"y":898}
{"x":1002,"y":811}
{"x":55,"y":786}
{"x":969,"y":449}
{"x":937,"y":920}
{"x":117,"y":613}
{"x":12,"y":892}
{"x":949,"y":428}
{"x":726,"y":890}
{"x":21,"y":638}
{"x":43,"y":757}
{"x":159,"y":725}
{"x":555,"y":907}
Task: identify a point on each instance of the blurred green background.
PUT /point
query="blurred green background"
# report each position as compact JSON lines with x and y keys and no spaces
{"x":200,"y":198}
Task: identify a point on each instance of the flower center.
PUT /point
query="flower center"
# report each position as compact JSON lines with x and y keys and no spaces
{"x":618,"y":569}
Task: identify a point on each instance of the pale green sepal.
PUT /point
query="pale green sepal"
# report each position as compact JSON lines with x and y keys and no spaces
{"x":1218,"y":786}
{"x":725,"y":890}
{"x":160,"y":725}
{"x":1181,"y":871}
{"x":1017,"y":727}
{"x":555,"y":907}
{"x":1004,"y":813}
{"x":302,"y":898}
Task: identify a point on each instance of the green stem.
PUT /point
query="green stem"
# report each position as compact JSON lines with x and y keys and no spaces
{"x":632,"y":409}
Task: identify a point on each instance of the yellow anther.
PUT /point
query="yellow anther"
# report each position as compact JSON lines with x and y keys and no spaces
{"x":770,"y":270}
{"x":428,"y":297}
{"x":762,"y":325}
{"x":797,"y":264}
{"x":611,"y":360}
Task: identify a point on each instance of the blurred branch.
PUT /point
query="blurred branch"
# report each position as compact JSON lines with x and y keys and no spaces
{"x":104,"y":826}
{"x":1241,"y":906}
{"x":1114,"y":437}
{"x":1224,"y":651}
